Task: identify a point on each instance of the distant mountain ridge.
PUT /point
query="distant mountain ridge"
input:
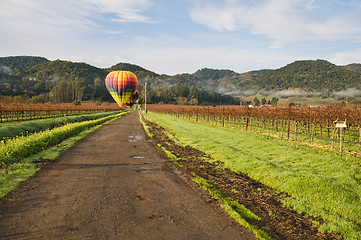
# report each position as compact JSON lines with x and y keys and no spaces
{"x":311,"y":75}
{"x":356,"y":67}
{"x":20,"y":62}
{"x":37,"y":75}
{"x":139,"y":71}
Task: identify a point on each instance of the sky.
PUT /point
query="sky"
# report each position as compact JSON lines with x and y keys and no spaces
{"x":182,"y":36}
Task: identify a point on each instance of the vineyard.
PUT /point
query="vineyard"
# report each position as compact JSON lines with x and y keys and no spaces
{"x":29,"y":111}
{"x":329,"y":127}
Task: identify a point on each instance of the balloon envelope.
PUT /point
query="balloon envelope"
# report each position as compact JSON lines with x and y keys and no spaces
{"x":133,"y":98}
{"x":121,"y":85}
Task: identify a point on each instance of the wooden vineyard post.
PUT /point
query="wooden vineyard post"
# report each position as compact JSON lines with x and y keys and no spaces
{"x":305,"y":128}
{"x":338,"y":125}
{"x":340,"y":139}
{"x":312,"y":133}
{"x":359,"y":153}
{"x":295,"y":131}
{"x":328,"y":130}
{"x":333,"y":139}
{"x":223,"y":117}
{"x":288,"y":129}
{"x":264,"y":124}
{"x":208,"y":114}
{"x":288,"y":123}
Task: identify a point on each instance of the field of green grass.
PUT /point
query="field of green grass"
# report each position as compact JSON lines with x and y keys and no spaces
{"x":319,"y":182}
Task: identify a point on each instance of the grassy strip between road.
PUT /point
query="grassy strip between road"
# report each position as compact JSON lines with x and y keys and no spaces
{"x":13,"y":129}
{"x":21,"y":168}
{"x":320,"y":183}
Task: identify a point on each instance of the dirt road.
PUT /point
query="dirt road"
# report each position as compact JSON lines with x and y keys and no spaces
{"x":114,"y":184}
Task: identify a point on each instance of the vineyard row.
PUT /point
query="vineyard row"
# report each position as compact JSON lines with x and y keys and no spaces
{"x":9,"y":116}
{"x":303,"y":124}
{"x":21,"y":112}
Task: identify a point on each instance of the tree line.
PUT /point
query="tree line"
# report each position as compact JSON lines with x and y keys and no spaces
{"x":183,"y":95}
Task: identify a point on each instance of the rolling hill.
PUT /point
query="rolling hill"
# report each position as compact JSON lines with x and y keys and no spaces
{"x":64,"y":81}
{"x":318,"y":75}
{"x":19,"y":62}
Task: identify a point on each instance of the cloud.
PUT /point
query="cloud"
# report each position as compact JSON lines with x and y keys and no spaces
{"x":36,"y":25}
{"x":5,"y":69}
{"x":126,"y":10}
{"x":310,"y":5}
{"x":40,"y":14}
{"x":228,"y":16}
{"x":82,"y":30}
{"x":290,"y":93}
{"x":349,"y":92}
{"x":283,"y":93}
{"x":68,"y":14}
{"x":114,"y":32}
{"x":282,"y":21}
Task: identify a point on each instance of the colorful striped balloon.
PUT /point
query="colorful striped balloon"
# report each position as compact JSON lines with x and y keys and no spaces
{"x":133,"y":98}
{"x":121,"y":85}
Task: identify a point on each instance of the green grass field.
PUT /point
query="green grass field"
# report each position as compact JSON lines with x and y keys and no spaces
{"x":320,"y":183}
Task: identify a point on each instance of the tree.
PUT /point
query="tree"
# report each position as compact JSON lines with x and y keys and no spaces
{"x":194,"y":92}
{"x":263,"y":101}
{"x":256,"y":102}
{"x":274,"y":101}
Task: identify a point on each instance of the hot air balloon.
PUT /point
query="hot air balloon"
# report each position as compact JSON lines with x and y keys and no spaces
{"x":133,"y":98}
{"x":121,"y":85}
